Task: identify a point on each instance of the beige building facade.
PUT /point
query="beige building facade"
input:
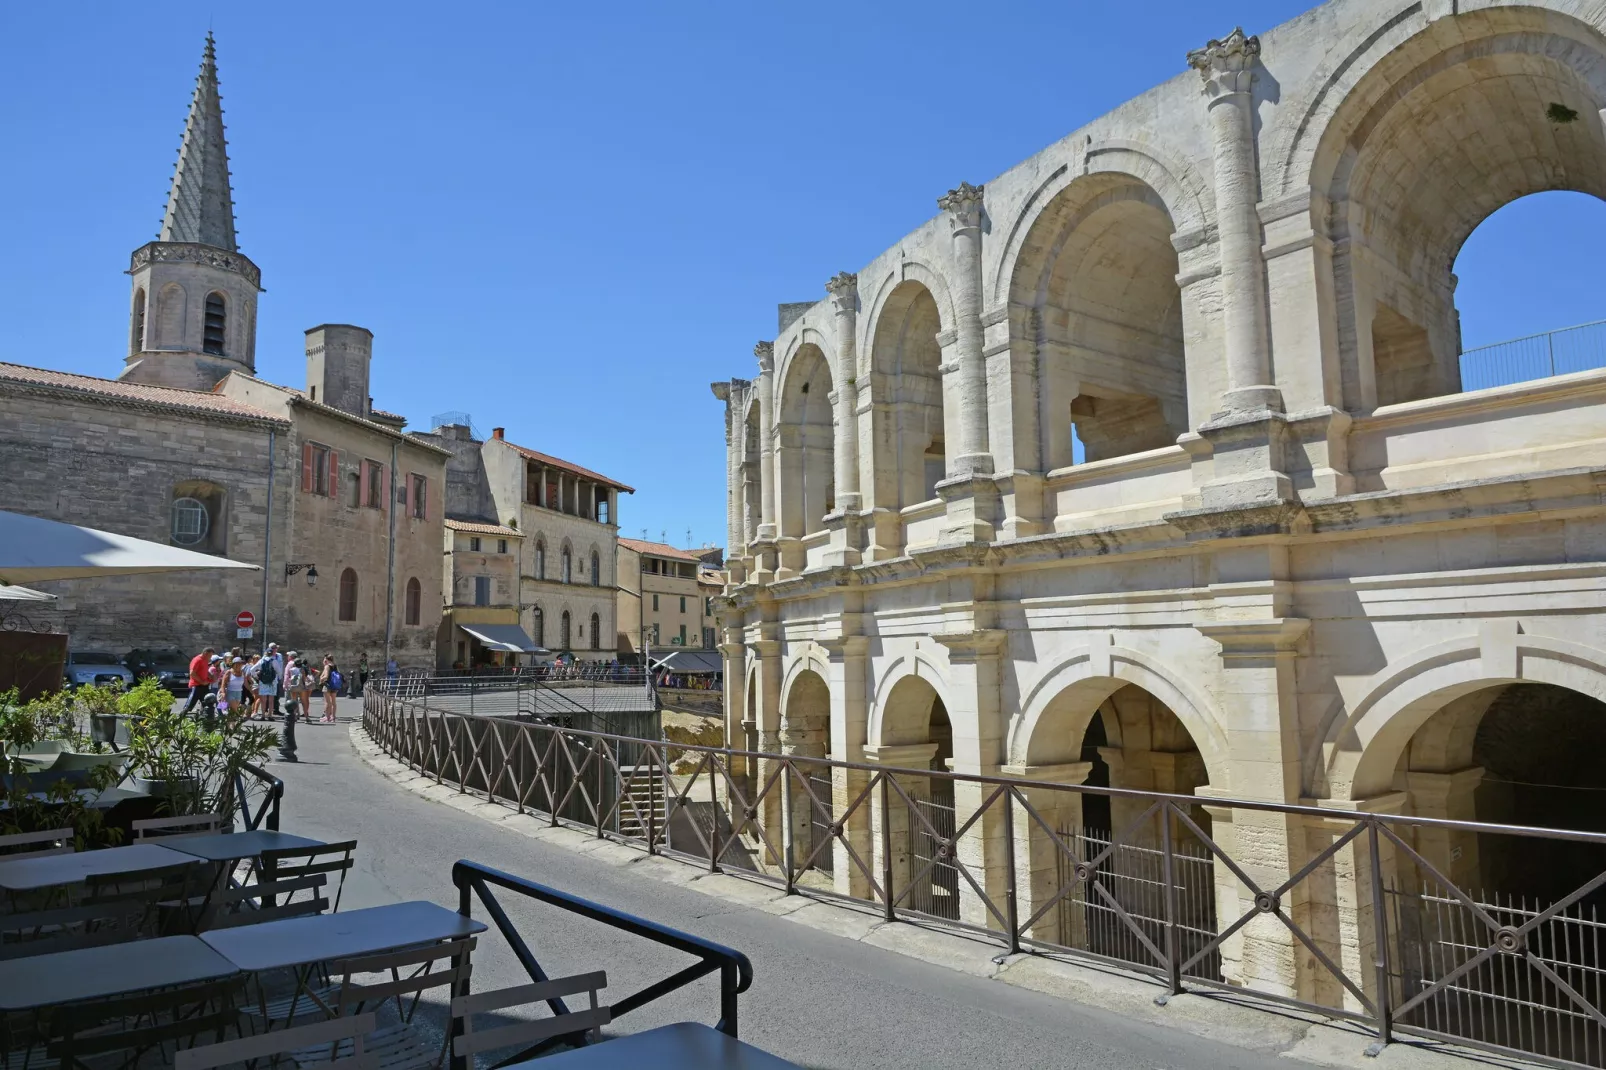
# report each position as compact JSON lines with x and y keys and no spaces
{"x":665,"y":598}
{"x":482,"y":584}
{"x":187,"y":446}
{"x":1150,"y":463}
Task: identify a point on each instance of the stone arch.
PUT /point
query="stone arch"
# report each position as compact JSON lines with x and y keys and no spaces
{"x":906,"y":388}
{"x":1057,"y":710}
{"x":1413,"y":140}
{"x":805,"y":456}
{"x":172,"y":313}
{"x":896,"y":717}
{"x":806,"y":711}
{"x":1364,"y":748}
{"x":1097,"y":312}
{"x":909,"y":271}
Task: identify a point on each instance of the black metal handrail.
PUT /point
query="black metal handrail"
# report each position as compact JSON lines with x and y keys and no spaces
{"x":267,"y":813}
{"x":735,"y":971}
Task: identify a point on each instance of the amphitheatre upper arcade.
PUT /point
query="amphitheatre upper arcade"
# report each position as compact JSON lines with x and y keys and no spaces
{"x":1148,"y":463}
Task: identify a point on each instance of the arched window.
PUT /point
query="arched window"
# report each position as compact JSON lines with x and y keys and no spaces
{"x":596,"y":632}
{"x":196,"y":520}
{"x":540,"y":561}
{"x":415,"y":595}
{"x":136,"y":339}
{"x":538,"y":627}
{"x":563,"y":631}
{"x":566,"y":568}
{"x":596,"y":569}
{"x":217,"y":315}
{"x":348,"y":594}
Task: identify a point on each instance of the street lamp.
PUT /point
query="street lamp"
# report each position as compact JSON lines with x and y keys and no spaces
{"x":310,"y":569}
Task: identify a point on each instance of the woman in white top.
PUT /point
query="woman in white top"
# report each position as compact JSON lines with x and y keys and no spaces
{"x":234,"y":686}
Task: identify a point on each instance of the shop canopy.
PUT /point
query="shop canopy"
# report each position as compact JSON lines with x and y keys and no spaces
{"x":13,"y":593}
{"x":509,"y":638}
{"x":33,"y":549}
{"x":689,"y":661}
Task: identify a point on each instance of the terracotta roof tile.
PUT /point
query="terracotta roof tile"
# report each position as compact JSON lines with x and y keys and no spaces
{"x":482,"y":529}
{"x":570,"y":466}
{"x":115,"y":390}
{"x":659,"y":549}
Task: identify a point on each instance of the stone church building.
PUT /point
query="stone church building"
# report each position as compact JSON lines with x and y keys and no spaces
{"x":1156,"y":463}
{"x":187,"y":446}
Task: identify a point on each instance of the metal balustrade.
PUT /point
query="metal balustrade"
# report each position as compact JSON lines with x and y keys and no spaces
{"x":1537,"y":356}
{"x":1164,"y":894}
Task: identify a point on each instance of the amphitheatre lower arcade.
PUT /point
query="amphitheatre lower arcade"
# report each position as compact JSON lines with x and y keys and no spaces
{"x":1154,"y":463}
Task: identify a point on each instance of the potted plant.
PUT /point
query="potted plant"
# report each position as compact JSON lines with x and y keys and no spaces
{"x":191,"y":766}
{"x":34,"y":799}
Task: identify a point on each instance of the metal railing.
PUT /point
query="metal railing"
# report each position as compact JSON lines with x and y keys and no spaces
{"x":1313,"y":908}
{"x":735,"y":971}
{"x":268,"y":792}
{"x":1537,"y":356}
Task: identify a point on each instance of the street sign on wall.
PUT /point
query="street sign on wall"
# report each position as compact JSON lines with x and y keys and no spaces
{"x":244,"y":619}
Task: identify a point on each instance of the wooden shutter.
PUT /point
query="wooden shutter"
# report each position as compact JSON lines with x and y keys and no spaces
{"x":334,"y":474}
{"x":383,"y":475}
{"x":362,"y":483}
{"x":306,"y":466}
{"x":407,"y":496}
{"x":425,"y":496}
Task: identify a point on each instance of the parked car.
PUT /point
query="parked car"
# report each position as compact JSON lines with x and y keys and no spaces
{"x":170,"y":667}
{"x":96,"y":667}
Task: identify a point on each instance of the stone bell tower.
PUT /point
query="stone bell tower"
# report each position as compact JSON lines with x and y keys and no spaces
{"x":193,"y":319}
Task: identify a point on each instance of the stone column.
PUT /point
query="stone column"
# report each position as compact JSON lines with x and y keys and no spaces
{"x":1453,"y":851}
{"x":767,"y":651}
{"x":1227,"y":68}
{"x":973,"y":673}
{"x":764,"y":545}
{"x":850,"y":725}
{"x":738,"y":725}
{"x":1341,"y":910}
{"x":968,"y":490}
{"x":844,"y":521}
{"x":1037,"y":860}
{"x":890,"y":824}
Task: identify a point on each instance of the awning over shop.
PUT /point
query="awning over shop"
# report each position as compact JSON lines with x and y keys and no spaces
{"x":506,"y":637}
{"x":691,"y":661}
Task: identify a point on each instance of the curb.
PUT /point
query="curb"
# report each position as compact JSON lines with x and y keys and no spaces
{"x":1225,"y":1018}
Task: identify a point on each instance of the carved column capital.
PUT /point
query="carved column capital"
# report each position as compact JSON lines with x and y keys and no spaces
{"x":963,"y":205}
{"x":1227,"y":66}
{"x":765,"y":352}
{"x":844,"y":290}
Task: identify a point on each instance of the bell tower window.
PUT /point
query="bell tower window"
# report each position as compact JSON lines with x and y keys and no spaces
{"x":136,"y":341}
{"x":216,"y":323}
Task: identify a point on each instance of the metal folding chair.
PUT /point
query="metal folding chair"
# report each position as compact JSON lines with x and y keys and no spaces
{"x":288,"y":863}
{"x":35,"y":844}
{"x":190,"y":825}
{"x":527,"y":1034}
{"x":131,"y":1026}
{"x":340,"y":1033}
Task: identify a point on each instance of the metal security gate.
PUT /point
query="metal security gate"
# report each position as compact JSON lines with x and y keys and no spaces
{"x":1538,"y":994}
{"x":1133,"y":875}
{"x":820,"y":818}
{"x":936,"y":890}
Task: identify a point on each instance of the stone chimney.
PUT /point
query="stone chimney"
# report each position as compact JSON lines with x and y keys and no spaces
{"x":496,"y":433}
{"x":338,"y":355}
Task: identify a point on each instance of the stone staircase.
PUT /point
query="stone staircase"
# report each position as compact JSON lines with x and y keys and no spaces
{"x":645,"y":785}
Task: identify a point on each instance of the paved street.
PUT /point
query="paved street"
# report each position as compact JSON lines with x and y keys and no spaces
{"x":819,"y":1000}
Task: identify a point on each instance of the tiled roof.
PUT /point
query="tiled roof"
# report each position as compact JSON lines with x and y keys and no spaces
{"x":659,"y":549}
{"x":381,"y":414}
{"x":482,"y":529}
{"x":113,"y":390}
{"x":570,"y":466}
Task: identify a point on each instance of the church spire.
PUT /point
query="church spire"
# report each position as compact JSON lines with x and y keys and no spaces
{"x":200,"y":206}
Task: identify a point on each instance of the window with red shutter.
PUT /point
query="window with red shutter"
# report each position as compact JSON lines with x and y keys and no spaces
{"x":333,"y":486}
{"x":306,"y":466}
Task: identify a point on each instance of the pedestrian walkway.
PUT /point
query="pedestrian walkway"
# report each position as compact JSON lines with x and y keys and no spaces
{"x":818,"y":999}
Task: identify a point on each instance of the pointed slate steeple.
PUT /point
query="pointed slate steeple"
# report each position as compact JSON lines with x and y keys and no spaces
{"x":200,"y":206}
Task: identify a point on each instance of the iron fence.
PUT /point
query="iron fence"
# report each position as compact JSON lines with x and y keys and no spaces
{"x":1192,"y":902}
{"x":1538,"y":356}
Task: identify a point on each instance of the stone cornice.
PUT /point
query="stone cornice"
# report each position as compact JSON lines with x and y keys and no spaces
{"x":1269,"y":637}
{"x":173,"y":252}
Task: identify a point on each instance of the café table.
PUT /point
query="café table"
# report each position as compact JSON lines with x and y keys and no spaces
{"x":234,"y":846}
{"x":25,"y":874}
{"x":682,"y":1046}
{"x":109,"y":970}
{"x":289,"y":942}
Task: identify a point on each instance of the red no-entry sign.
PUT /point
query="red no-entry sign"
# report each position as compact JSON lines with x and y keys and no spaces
{"x":245,"y":619}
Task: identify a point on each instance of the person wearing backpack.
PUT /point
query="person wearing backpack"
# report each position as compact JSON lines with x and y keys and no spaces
{"x":330,"y":680}
{"x":266,"y":674}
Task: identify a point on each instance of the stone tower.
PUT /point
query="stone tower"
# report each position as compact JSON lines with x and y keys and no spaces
{"x":338,"y":355}
{"x":193,"y":319}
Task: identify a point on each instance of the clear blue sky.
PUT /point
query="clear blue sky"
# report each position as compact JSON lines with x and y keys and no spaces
{"x":569,"y":220}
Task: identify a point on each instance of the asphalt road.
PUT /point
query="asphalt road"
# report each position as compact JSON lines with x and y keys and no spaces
{"x":817,"y":999}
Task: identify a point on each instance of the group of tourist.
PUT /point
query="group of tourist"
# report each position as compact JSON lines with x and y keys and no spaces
{"x":235,"y":681}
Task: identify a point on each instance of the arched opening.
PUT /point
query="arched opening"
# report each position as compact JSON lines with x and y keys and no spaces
{"x":348,"y":594}
{"x":1460,"y":120}
{"x":214,"y":331}
{"x":806,"y":733}
{"x":540,"y":559}
{"x":136,"y":339}
{"x":596,"y":632}
{"x":915,"y":731}
{"x":1106,"y":733}
{"x":1098,"y":280}
{"x":415,"y":601}
{"x":538,"y":626}
{"x":1525,"y":754}
{"x":804,"y":445}
{"x":596,"y":569}
{"x":753,"y":476}
{"x":563,"y":631}
{"x":1528,"y":290}
{"x":566,"y":566}
{"x":909,"y":429}
{"x":199,"y":517}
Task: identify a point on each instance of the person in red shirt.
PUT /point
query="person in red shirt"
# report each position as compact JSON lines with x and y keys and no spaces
{"x":200,"y":678}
